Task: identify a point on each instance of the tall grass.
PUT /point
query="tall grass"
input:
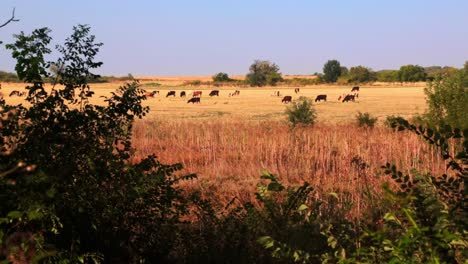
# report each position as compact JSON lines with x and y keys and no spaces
{"x":229,"y":154}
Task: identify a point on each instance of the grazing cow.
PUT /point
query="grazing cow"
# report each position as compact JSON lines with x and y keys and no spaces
{"x":150,"y":94}
{"x":355,"y":89}
{"x":296,"y":90}
{"x":349,"y":97}
{"x":276,"y":93}
{"x":321,"y":97}
{"x":197,"y":94}
{"x":194,"y":100}
{"x":17,"y":93}
{"x":287,"y":99}
{"x":214,"y":92}
{"x":171,"y":93}
{"x":182,"y":94}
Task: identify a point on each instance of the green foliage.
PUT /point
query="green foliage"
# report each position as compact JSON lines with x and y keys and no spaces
{"x":221,"y":77}
{"x":69,"y":191}
{"x":263,"y":73}
{"x":361,"y":74}
{"x":298,"y":226}
{"x":365,"y":120}
{"x":447,"y":98}
{"x":411,"y":73}
{"x":331,"y":71}
{"x":387,"y":76}
{"x":301,"y":112}
{"x":344,"y":71}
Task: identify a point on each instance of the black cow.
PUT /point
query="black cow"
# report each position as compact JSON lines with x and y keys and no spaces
{"x":194,"y":100}
{"x":355,"y":89}
{"x":296,"y":90}
{"x":321,"y":97}
{"x":286,"y":99}
{"x":182,"y":94}
{"x":214,"y":92}
{"x":349,"y":97}
{"x":171,"y":93}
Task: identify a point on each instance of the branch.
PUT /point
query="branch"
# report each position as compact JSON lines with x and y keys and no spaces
{"x":12,"y":19}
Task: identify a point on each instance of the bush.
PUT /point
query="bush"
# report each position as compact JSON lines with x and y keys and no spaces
{"x":361,"y":74}
{"x":221,"y":77}
{"x":301,"y":112}
{"x":411,"y":73}
{"x":365,"y":119}
{"x":447,"y":98}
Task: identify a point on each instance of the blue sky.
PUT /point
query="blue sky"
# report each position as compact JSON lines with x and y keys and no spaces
{"x":182,"y":37}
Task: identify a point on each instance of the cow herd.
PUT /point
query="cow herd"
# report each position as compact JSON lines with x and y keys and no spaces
{"x":196,"y":95}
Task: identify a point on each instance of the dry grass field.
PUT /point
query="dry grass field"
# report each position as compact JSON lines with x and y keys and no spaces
{"x":258,"y":103}
{"x":227,"y":141}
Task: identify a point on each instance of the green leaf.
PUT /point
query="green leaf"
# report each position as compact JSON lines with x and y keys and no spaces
{"x":276,"y":187}
{"x":15,"y":214}
{"x":302,"y":207}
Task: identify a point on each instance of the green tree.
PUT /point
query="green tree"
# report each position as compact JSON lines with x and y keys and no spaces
{"x":331,"y":71}
{"x":69,"y":191}
{"x":387,"y":76}
{"x":447,"y":99}
{"x":221,"y":77}
{"x":344,"y":71}
{"x":411,"y":73}
{"x":361,"y":74}
{"x":465,"y":67}
{"x":263,"y":73}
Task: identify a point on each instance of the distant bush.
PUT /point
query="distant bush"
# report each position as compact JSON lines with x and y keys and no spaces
{"x":301,"y":112}
{"x":193,"y":83}
{"x":361,"y":74}
{"x":411,"y":73}
{"x":8,"y":77}
{"x":300,"y":81}
{"x":387,"y":76}
{"x":152,"y":84}
{"x":221,"y":77}
{"x":365,"y":119}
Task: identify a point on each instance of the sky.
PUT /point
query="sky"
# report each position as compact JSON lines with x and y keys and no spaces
{"x":203,"y":37}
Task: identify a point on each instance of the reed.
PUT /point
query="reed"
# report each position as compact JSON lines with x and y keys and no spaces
{"x":228,"y":155}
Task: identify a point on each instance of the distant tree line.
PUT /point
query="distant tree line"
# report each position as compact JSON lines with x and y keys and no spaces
{"x":13,"y":77}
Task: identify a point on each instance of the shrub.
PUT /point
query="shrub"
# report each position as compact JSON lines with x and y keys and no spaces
{"x":221,"y":77}
{"x":361,"y":74}
{"x":411,"y":73}
{"x":447,"y":98}
{"x":365,"y":119}
{"x":301,"y":112}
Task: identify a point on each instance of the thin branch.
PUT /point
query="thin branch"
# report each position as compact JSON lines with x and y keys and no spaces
{"x":12,"y":19}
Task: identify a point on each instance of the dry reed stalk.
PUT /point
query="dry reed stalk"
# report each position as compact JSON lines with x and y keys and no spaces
{"x":228,"y":155}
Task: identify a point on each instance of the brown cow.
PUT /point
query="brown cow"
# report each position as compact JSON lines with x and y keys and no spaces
{"x":287,"y":99}
{"x":150,"y":94}
{"x":196,"y":93}
{"x":349,"y":97}
{"x":355,"y":89}
{"x":171,"y":93}
{"x":182,"y":94}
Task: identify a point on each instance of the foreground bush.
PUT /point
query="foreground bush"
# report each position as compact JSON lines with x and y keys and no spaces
{"x":301,"y":112}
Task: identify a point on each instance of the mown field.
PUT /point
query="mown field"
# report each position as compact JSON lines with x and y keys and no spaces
{"x":258,"y":104}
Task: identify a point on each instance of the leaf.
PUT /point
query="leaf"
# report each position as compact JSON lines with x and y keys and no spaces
{"x":15,"y":214}
{"x":302,"y":207}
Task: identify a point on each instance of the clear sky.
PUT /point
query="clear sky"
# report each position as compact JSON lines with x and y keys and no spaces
{"x":203,"y":37}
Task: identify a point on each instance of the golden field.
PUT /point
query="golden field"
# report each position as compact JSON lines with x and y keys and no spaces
{"x":259,"y":104}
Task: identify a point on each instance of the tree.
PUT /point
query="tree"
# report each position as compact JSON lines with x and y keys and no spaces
{"x":11,"y":19}
{"x":221,"y":77}
{"x":411,"y":73}
{"x":69,"y":191}
{"x":466,"y":66}
{"x":331,"y":71}
{"x":344,"y":71}
{"x":447,"y":99}
{"x":263,"y":73}
{"x":360,"y":74}
{"x":387,"y":76}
